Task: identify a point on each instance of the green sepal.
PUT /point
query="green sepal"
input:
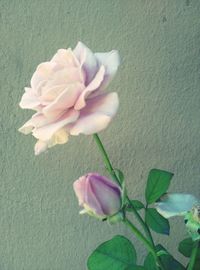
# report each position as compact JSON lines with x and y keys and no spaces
{"x":120,"y":175}
{"x":161,"y":252}
{"x":118,"y":217}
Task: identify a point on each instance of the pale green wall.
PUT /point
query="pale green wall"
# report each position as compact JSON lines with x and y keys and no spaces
{"x":158,"y":123}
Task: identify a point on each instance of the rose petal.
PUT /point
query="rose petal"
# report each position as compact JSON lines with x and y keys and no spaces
{"x":108,"y":196}
{"x":97,"y":115}
{"x":110,"y":61}
{"x":80,"y":189}
{"x":63,"y":102}
{"x":96,"y":82}
{"x":87,"y":58}
{"x":60,"y":137}
{"x":29,"y":100}
{"x":66,"y":58}
{"x":36,"y":121}
{"x":86,"y":196}
{"x":65,"y":76}
{"x":46,"y":132}
{"x":40,"y":147}
{"x":175,"y":204}
{"x":105,"y":181}
{"x":43,"y":72}
{"x":105,"y":104}
{"x":91,"y":199}
{"x":90,"y":124}
{"x":26,"y":128}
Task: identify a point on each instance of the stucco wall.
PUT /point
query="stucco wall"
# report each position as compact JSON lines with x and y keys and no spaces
{"x":157,"y":125}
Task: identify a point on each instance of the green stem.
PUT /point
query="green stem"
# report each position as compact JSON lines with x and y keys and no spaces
{"x":104,"y":154}
{"x":105,"y":157}
{"x":146,"y":230}
{"x":112,"y":172}
{"x":193,"y":255}
{"x":109,"y":167}
{"x":140,"y":236}
{"x":142,"y":223}
{"x":147,"y":244}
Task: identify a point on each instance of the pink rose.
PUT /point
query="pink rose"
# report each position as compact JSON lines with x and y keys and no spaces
{"x":68,"y":96}
{"x":99,"y":196}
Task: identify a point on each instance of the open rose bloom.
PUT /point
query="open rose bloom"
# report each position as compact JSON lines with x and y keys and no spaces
{"x":68,"y":96}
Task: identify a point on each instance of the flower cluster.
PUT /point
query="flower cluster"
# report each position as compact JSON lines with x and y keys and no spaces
{"x":68,"y":96}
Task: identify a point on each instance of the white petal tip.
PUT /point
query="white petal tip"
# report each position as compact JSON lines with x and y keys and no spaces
{"x":82,"y":212}
{"x":25,"y":130}
{"x":40,"y":147}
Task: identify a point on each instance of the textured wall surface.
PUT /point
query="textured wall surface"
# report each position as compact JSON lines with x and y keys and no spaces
{"x":158,"y":123}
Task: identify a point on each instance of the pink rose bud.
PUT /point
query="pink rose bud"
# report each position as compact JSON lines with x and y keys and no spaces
{"x":99,"y":196}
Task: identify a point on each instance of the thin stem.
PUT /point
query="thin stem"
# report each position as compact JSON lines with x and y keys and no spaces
{"x":145,"y":228}
{"x":142,"y":223}
{"x":105,"y":157}
{"x":112,"y":172}
{"x":193,"y":255}
{"x":103,"y":151}
{"x":140,"y":236}
{"x":148,"y":245}
{"x":109,"y":167}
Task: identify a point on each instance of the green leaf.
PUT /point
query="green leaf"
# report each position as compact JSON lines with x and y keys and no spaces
{"x":137,"y":204}
{"x":156,"y":222}
{"x":136,"y":267}
{"x":117,"y":253}
{"x":149,"y":262}
{"x":185,"y":248}
{"x":170,"y":263}
{"x":157,"y":184}
{"x":197,"y":263}
{"x":167,"y":261}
